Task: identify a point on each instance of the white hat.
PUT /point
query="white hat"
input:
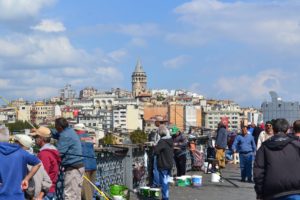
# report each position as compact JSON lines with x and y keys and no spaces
{"x":4,"y":133}
{"x":25,"y":140}
{"x":79,"y":127}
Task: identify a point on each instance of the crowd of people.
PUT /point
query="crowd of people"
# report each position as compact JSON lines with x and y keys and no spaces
{"x":24,"y":175}
{"x":269,"y":157}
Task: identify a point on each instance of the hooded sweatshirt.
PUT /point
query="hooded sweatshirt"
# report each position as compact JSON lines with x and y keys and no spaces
{"x":164,"y":152}
{"x":50,"y":158}
{"x":13,"y":169}
{"x":276,"y":167}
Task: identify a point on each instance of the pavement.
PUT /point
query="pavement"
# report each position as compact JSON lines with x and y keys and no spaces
{"x":214,"y":191}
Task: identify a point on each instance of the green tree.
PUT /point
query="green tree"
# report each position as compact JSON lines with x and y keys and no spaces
{"x":138,"y":137}
{"x":108,"y":139}
{"x":18,"y":126}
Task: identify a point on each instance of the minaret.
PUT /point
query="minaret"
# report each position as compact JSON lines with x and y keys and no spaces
{"x":139,"y":80}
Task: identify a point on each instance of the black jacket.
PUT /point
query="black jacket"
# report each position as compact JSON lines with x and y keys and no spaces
{"x":164,"y":152}
{"x":276,"y":167}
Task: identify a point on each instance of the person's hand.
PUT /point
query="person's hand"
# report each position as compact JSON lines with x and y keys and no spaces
{"x":24,"y":184}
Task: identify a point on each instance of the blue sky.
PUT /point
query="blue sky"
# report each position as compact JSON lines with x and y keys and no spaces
{"x":237,"y":50}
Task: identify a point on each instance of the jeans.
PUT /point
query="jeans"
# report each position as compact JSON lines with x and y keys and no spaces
{"x":164,"y":177}
{"x":49,"y":196}
{"x":229,"y":154}
{"x":246,"y":165}
{"x":156,"y":179}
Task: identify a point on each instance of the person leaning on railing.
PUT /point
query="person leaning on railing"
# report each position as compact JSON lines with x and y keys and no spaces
{"x":69,"y":147}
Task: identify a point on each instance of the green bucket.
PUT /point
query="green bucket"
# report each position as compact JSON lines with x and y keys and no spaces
{"x":180,"y":181}
{"x":119,"y":190}
{"x":154,"y":193}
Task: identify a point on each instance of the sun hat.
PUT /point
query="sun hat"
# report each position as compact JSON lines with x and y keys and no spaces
{"x":25,"y":140}
{"x":79,"y":127}
{"x":42,"y":131}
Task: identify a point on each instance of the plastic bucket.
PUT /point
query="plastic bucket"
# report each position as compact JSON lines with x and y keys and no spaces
{"x":145,"y":191}
{"x":188,"y":180}
{"x":117,"y":197}
{"x":119,"y":190}
{"x":180,"y":181}
{"x":215,"y":178}
{"x":197,"y":180}
{"x":154,"y":193}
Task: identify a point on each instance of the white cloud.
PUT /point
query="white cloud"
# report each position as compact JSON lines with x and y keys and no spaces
{"x":176,"y":62}
{"x":139,"y":42}
{"x":4,"y":83}
{"x":75,"y":71}
{"x":10,"y":49}
{"x":273,"y":23}
{"x":139,"y":30}
{"x":109,"y":74}
{"x":20,"y":9}
{"x":251,"y":87}
{"x":118,"y":55}
{"x":48,"y":25}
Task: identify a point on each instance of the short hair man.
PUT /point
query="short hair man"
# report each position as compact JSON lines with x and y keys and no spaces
{"x":13,"y":168}
{"x":49,"y":156}
{"x":69,"y":147}
{"x":296,"y":128}
{"x":244,"y":144}
{"x":277,"y":164}
{"x":164,"y":152}
{"x":221,"y":144}
{"x":89,"y":161}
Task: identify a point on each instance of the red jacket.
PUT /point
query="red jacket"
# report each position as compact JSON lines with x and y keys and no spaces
{"x":51,"y":161}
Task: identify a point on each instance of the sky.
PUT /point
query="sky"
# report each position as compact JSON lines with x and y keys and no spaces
{"x":238,"y":50}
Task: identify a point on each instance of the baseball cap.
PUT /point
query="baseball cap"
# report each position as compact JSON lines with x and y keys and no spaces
{"x":42,"y":131}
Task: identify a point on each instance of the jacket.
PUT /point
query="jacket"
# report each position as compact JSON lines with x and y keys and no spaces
{"x":88,"y":151}
{"x":181,"y":143}
{"x":50,"y":158}
{"x":221,"y":138}
{"x":69,"y":147}
{"x":164,"y":152}
{"x":276,"y":167}
{"x":13,"y":169}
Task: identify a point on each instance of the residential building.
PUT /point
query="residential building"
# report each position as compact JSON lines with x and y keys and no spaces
{"x":67,"y":92}
{"x":23,"y":113}
{"x":87,"y":93}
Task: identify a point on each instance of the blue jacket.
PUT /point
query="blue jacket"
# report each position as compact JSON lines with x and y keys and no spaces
{"x":244,"y":144}
{"x":69,"y":147}
{"x":13,"y":169}
{"x":88,"y":151}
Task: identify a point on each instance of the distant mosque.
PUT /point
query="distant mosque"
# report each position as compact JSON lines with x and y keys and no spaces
{"x":139,"y":82}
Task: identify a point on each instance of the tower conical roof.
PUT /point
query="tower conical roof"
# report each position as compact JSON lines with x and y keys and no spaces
{"x":138,"y":67}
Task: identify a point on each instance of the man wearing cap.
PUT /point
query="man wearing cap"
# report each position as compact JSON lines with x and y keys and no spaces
{"x":13,"y":168}
{"x":89,"y":161}
{"x":221,"y":144}
{"x":266,"y":134}
{"x":40,"y":183}
{"x":180,"y":150}
{"x":49,"y":156}
{"x":69,"y":147}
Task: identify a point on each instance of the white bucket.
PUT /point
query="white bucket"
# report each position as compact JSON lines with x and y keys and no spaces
{"x":215,"y":177}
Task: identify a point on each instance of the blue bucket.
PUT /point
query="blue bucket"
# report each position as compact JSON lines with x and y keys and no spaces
{"x":197,"y":180}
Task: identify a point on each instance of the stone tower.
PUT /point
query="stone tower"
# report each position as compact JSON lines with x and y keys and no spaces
{"x":139,"y":80}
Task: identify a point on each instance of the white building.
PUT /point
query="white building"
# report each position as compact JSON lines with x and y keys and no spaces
{"x":214,"y":114}
{"x":24,"y":113}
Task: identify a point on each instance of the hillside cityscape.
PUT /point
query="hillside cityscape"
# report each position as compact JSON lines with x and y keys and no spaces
{"x":123,"y":111}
